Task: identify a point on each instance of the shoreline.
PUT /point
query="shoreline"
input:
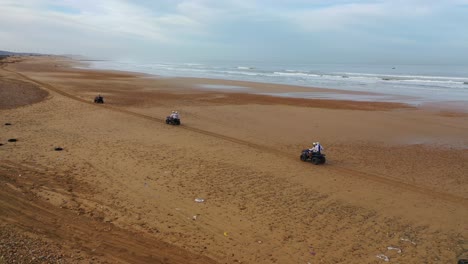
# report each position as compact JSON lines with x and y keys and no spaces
{"x":278,"y":90}
{"x":425,"y":97}
{"x":261,"y":92}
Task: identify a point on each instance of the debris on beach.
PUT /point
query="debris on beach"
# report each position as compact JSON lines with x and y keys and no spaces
{"x":407,"y":240}
{"x":225,"y":234}
{"x":58,"y":149}
{"x":395,"y":248}
{"x":383,"y":257}
{"x":12,"y":140}
{"x":199,"y":200}
{"x":7,"y":124}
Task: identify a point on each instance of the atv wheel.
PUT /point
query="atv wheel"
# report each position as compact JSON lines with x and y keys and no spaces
{"x":167,"y":121}
{"x":315,"y":160}
{"x":322,"y":160}
{"x":303,"y":157}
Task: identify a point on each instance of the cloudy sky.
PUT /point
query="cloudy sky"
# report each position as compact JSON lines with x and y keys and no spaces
{"x":315,"y":31}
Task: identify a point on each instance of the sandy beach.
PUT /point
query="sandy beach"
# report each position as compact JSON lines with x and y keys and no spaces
{"x":123,"y":188}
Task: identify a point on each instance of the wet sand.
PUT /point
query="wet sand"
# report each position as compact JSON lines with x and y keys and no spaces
{"x":396,"y":175}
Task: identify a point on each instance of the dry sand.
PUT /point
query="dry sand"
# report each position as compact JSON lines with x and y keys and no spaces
{"x":123,"y":188}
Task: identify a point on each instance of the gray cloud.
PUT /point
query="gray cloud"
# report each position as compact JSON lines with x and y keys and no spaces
{"x":211,"y":29}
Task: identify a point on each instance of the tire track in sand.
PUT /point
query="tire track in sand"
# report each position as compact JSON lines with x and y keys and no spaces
{"x":337,"y":168}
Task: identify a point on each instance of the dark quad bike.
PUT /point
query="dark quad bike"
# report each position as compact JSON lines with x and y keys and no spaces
{"x":172,"y":121}
{"x":99,"y":100}
{"x":315,"y":157}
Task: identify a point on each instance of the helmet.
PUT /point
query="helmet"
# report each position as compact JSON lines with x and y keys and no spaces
{"x":315,"y":143}
{"x":173,"y":112}
{"x":176,"y":112}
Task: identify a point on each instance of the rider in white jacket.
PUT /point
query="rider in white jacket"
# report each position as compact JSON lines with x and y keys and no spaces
{"x":317,"y":147}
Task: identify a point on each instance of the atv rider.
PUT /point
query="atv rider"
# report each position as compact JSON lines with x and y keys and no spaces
{"x":174,"y":116}
{"x":171,"y":116}
{"x":316,"y":148}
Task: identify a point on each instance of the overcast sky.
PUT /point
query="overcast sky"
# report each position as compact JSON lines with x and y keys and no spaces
{"x":314,"y":31}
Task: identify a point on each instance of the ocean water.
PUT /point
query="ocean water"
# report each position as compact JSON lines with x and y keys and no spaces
{"x":414,"y":84}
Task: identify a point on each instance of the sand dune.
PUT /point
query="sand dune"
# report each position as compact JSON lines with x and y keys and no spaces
{"x":123,"y":188}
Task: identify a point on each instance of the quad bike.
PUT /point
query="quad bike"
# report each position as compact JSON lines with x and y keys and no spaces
{"x":99,"y":100}
{"x":172,"y":121}
{"x":316,"y":157}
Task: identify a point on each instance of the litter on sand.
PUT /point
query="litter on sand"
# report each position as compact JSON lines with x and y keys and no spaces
{"x":395,"y":248}
{"x":199,"y":200}
{"x":407,"y":240}
{"x":383,"y":257}
{"x":225,"y":234}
